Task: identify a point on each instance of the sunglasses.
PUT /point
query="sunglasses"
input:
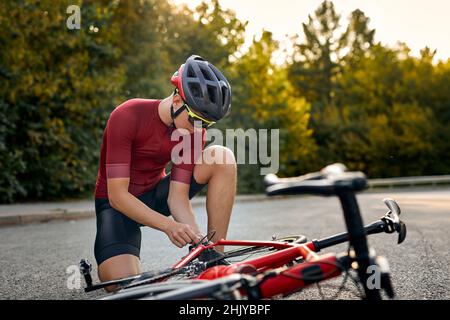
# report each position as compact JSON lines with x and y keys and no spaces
{"x":193,"y":117}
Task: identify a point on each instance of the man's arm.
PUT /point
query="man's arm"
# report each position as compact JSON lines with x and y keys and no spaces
{"x":120,"y":199}
{"x":180,"y":206}
{"x":181,"y":173}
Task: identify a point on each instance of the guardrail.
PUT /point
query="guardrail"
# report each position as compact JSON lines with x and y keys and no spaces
{"x":409,"y":181}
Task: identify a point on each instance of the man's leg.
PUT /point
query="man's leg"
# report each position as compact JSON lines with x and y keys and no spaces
{"x":117,"y":267}
{"x":218,"y":169}
{"x":117,"y":245}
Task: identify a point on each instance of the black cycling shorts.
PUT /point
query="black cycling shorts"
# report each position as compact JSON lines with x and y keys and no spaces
{"x":117,"y":234}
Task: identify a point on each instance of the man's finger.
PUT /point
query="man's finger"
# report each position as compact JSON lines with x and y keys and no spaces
{"x":180,"y":240}
{"x":192,"y":235}
{"x":175,"y":242}
{"x":185,"y":237}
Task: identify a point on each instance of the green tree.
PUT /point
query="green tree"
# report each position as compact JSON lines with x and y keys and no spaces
{"x":56,"y":85}
{"x":143,"y":31}
{"x":358,"y":37}
{"x":156,"y":37}
{"x":209,"y":30}
{"x":265,"y":99}
{"x":314,"y":67}
{"x":387,"y":128}
{"x":318,"y":62}
{"x":441,"y":108}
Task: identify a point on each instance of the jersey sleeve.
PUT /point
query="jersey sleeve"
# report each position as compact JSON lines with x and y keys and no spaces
{"x":182,"y":172}
{"x":121,"y":129}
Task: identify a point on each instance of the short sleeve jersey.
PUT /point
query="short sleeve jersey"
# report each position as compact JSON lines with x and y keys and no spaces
{"x":138,"y":145}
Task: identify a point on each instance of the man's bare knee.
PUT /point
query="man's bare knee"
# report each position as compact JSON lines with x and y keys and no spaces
{"x":118,"y":267}
{"x":219,"y":155}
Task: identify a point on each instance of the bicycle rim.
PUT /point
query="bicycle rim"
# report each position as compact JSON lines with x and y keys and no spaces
{"x":149,"y":290}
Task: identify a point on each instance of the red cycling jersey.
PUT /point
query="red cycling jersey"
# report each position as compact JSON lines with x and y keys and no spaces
{"x":137,"y":145}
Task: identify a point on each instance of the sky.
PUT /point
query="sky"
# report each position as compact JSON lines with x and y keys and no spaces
{"x":418,"y":23}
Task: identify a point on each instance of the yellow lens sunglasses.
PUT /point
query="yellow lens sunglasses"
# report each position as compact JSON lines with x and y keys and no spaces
{"x":193,"y":116}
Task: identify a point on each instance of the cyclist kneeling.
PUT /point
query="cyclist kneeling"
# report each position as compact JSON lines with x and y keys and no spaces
{"x":132,"y":188}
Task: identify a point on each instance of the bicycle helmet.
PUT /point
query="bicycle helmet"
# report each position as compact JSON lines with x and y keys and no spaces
{"x":203,"y":87}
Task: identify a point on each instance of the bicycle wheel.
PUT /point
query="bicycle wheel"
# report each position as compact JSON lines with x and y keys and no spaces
{"x":149,"y":290}
{"x":226,"y":288}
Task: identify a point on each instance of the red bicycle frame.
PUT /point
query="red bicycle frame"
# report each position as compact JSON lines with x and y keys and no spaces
{"x":315,"y":268}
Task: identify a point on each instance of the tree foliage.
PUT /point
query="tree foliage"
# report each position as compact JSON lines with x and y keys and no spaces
{"x":345,"y":97}
{"x":265,"y":99}
{"x":57,"y":86}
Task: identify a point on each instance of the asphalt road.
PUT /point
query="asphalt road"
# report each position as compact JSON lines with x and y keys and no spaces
{"x":35,"y":258}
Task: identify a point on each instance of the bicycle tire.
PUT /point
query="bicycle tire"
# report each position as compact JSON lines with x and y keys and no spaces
{"x":148,"y":290}
{"x":205,"y":290}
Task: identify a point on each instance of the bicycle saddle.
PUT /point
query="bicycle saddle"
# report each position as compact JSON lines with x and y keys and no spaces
{"x":331,"y":180}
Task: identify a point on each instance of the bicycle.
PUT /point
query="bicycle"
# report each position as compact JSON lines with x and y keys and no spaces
{"x":287,"y":264}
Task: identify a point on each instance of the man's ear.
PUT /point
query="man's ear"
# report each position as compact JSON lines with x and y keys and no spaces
{"x":177,"y":99}
{"x":177,"y":102}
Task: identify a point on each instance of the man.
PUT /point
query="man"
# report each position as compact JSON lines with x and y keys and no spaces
{"x":132,"y":189}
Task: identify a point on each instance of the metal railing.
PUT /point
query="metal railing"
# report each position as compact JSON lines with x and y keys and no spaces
{"x":409,"y":181}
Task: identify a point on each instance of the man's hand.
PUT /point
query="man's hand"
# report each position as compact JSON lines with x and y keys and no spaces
{"x":181,"y":234}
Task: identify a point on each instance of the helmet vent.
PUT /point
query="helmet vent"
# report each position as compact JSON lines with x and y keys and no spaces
{"x":195,"y":89}
{"x":207,"y":75}
{"x":217,"y":73}
{"x":212,"y":92}
{"x":225,"y":93}
{"x":190,"y":72}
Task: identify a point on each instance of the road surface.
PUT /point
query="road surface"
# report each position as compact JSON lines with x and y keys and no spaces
{"x":35,"y":258}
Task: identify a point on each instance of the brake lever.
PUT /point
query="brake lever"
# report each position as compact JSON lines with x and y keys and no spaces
{"x":394,"y":209}
{"x":401,"y":229}
{"x":392,"y":219}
